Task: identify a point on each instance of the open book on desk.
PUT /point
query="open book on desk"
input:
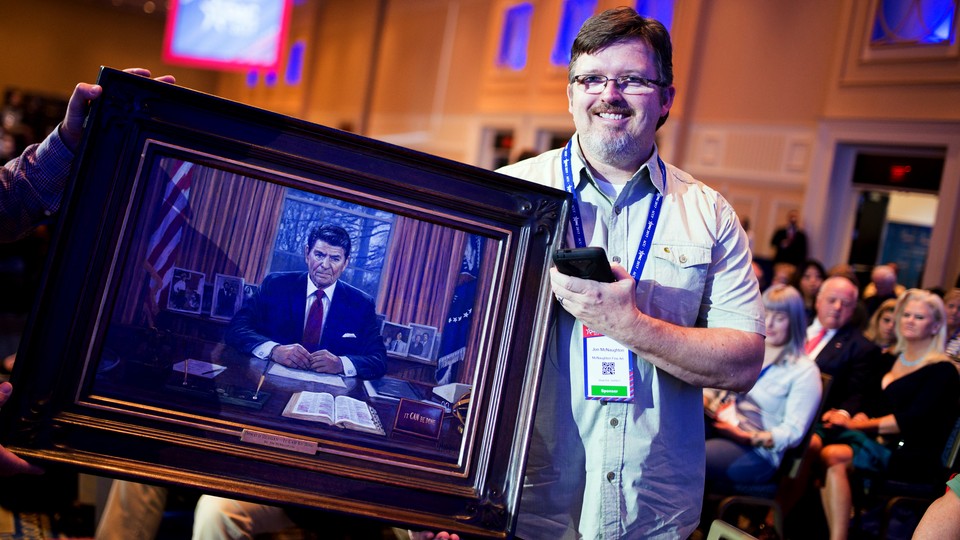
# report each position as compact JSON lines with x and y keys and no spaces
{"x":341,"y":411}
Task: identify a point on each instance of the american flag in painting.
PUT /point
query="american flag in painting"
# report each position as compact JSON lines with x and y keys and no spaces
{"x":174,"y":213}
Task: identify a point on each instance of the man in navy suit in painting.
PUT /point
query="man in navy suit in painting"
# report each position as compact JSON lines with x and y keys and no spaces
{"x":276,"y":322}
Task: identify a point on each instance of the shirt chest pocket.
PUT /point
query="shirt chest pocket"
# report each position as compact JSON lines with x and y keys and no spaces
{"x":680,"y":272}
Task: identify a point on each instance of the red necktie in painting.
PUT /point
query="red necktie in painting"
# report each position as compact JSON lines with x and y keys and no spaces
{"x":314,"y":326}
{"x":814,"y":341}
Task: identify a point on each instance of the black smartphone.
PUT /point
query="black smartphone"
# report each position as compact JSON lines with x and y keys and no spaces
{"x":587,"y":263}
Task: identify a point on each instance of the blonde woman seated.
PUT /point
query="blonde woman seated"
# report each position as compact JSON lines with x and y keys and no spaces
{"x":903,"y":431}
{"x":750,"y":432}
{"x":880,"y":330}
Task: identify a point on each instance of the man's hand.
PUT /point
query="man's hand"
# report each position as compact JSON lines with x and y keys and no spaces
{"x":723,"y":358}
{"x":10,"y":464}
{"x":324,"y":361}
{"x":72,"y":127}
{"x":293,"y":356}
{"x":608,"y":308}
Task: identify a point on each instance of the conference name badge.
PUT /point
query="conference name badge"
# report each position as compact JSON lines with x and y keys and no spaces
{"x":608,"y":368}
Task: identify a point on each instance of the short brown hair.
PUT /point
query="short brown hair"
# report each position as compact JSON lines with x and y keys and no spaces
{"x":624,"y":24}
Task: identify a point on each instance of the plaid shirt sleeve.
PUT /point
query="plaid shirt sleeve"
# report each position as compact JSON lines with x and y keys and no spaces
{"x":31,"y":186}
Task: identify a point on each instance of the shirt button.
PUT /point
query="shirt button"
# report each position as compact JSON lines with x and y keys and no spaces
{"x":616,"y":259}
{"x":611,"y":476}
{"x":616,"y":210}
{"x":683,"y":259}
{"x":614,"y":422}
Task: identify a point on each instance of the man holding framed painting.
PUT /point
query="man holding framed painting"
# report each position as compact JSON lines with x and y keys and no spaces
{"x":686,"y":314}
{"x":31,"y":187}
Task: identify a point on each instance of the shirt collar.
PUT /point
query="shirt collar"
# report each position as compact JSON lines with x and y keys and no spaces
{"x":815,"y":328}
{"x":328,"y":291}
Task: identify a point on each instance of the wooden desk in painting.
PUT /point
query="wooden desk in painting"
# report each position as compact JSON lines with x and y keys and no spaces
{"x":222,"y":385}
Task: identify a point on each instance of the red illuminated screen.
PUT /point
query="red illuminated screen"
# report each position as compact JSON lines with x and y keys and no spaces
{"x":226,"y":34}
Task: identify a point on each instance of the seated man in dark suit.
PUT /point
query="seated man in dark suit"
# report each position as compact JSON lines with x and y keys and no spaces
{"x":841,"y":350}
{"x":311,"y":320}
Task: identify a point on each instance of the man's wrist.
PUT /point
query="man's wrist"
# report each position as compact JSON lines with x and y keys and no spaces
{"x":263,"y":350}
{"x":348,"y":369}
{"x":65,"y":139}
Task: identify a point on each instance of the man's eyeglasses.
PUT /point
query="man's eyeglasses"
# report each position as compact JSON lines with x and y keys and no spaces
{"x":627,"y":84}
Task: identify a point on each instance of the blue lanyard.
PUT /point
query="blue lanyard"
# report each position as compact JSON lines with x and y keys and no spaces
{"x":576,"y":223}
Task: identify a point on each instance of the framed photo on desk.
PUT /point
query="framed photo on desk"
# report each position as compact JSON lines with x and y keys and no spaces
{"x":170,"y":178}
{"x":422,"y":341}
{"x":185,"y":291}
{"x":227,"y":297}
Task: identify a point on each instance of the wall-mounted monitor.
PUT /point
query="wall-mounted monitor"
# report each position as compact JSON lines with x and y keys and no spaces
{"x":226,"y":34}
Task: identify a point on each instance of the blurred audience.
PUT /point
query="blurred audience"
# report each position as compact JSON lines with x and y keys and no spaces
{"x":902,"y":431}
{"x":783,"y":273}
{"x":12,"y":143}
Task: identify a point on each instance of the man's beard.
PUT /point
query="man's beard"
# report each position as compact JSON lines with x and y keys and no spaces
{"x":610,"y":148}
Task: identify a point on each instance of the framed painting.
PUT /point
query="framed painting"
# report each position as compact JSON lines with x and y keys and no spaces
{"x":169,"y":179}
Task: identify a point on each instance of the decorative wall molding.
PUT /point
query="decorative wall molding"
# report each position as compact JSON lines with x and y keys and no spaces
{"x":751,"y":153}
